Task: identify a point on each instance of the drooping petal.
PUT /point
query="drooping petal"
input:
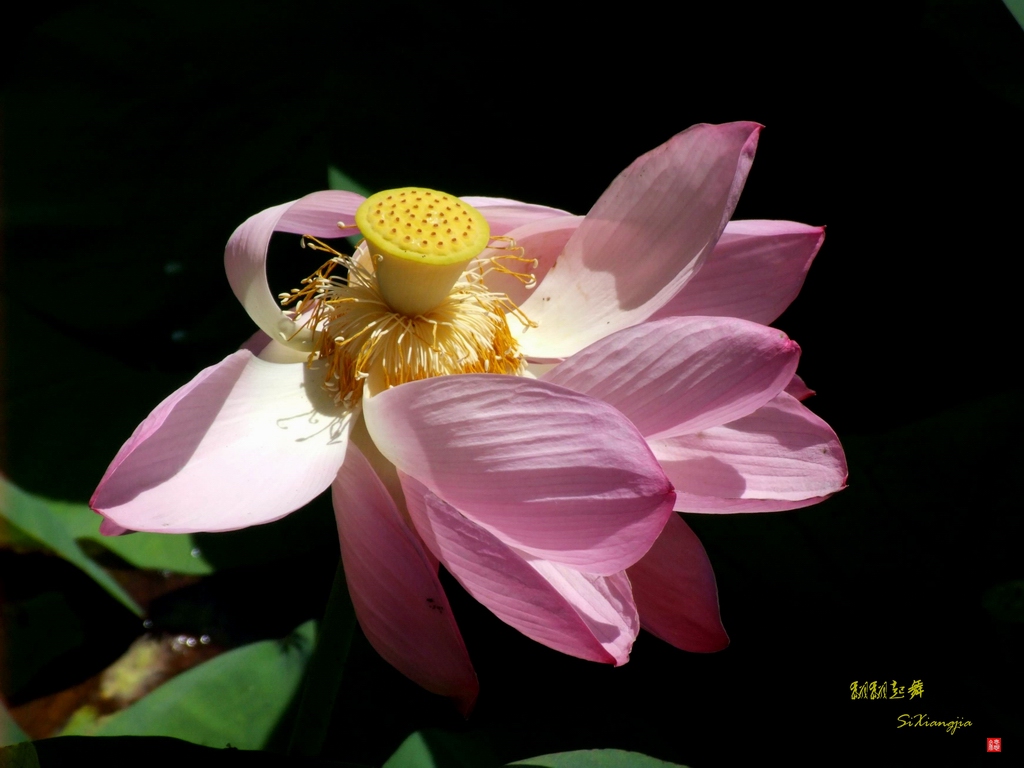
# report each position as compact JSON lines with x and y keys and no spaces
{"x":245,"y":257}
{"x":780,"y":457}
{"x":682,"y":375}
{"x":397,"y":596}
{"x":675,"y":591}
{"x":755,"y":271}
{"x":798,"y":388}
{"x":591,"y":617}
{"x":642,"y":241}
{"x":549,"y":471}
{"x":245,"y":442}
{"x":541,"y":241}
{"x":504,"y":215}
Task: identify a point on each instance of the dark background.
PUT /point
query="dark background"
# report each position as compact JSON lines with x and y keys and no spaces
{"x":135,"y":136}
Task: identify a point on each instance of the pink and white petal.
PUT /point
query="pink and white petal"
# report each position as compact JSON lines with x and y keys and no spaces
{"x":756,"y":269}
{"x":398,"y":599}
{"x":245,"y":257}
{"x":798,"y":389}
{"x":542,"y":241}
{"x":642,"y":241}
{"x":504,"y":215}
{"x":684,"y":374}
{"x":549,"y":471}
{"x":675,"y":591}
{"x":590,"y":617}
{"x":780,"y":457}
{"x":245,"y":442}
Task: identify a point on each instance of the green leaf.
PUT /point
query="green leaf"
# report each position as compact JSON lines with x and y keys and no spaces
{"x":10,"y":733}
{"x":414,"y":752}
{"x":157,"y":752}
{"x":596,"y":758}
{"x":432,"y":748}
{"x":338,"y":179}
{"x":19,"y":756}
{"x":324,"y":672}
{"x":1016,"y":7}
{"x":34,"y":518}
{"x":237,"y":698}
{"x":177,"y":553}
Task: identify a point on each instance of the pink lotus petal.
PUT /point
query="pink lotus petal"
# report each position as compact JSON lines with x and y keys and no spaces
{"x":685,"y":374}
{"x":504,"y":215}
{"x":549,"y":471}
{"x":109,"y":528}
{"x":675,"y":591}
{"x":642,"y":241}
{"x":541,"y":240}
{"x":798,"y":389}
{"x":780,"y":457}
{"x":398,"y":599}
{"x":755,"y":271}
{"x":591,"y":617}
{"x":245,"y":257}
{"x":245,"y":442}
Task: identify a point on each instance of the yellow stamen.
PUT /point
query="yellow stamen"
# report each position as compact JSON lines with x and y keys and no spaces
{"x":360,"y":333}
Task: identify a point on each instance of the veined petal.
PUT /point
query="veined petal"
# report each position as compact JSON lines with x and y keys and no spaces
{"x":780,"y":457}
{"x":504,"y":215}
{"x":397,"y":596}
{"x":548,"y":471}
{"x":591,"y":617}
{"x":540,"y":240}
{"x":675,"y":591}
{"x":642,"y":241}
{"x":245,"y":257}
{"x":245,"y":442}
{"x":682,"y":375}
{"x":756,"y":269}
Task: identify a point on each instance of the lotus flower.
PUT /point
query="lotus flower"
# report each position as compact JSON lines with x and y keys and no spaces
{"x":530,"y":415}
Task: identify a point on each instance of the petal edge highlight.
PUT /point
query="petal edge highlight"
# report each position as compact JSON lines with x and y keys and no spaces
{"x":642,"y":241}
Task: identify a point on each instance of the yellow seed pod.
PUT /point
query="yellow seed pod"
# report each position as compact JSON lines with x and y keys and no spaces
{"x":420,"y":240}
{"x":422,"y":225}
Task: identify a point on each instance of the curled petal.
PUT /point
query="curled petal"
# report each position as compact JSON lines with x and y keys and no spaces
{"x":245,"y":442}
{"x":591,"y":617}
{"x":675,"y":591}
{"x":756,"y":269}
{"x":504,"y":215}
{"x":548,"y":471}
{"x":780,"y":457}
{"x":642,"y":241}
{"x":392,"y":579}
{"x":245,"y":257}
{"x":682,"y":375}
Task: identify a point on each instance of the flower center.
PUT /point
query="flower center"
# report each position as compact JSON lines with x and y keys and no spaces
{"x":411,"y":303}
{"x":421,"y":241}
